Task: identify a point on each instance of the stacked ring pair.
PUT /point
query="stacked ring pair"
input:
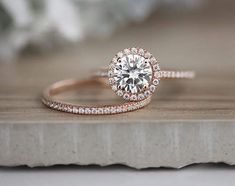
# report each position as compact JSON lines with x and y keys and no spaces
{"x":133,"y":74}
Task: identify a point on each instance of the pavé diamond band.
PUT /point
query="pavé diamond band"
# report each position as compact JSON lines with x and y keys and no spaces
{"x":134,"y":74}
{"x":59,"y":87}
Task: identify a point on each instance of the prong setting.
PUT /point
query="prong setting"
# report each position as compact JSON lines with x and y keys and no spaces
{"x":133,"y":72}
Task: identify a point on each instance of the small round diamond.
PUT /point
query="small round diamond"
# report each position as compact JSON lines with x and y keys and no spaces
{"x":119,"y":109}
{"x":157,"y":74}
{"x":70,"y":109}
{"x":126,"y":96}
{"x":87,"y":111}
{"x":134,"y":50}
{"x":110,"y":73}
{"x":111,"y":81}
{"x":124,"y":108}
{"x":120,"y":54}
{"x":155,"y":81}
{"x":119,"y":93}
{"x":75,"y":110}
{"x":153,"y":60}
{"x":65,"y":108}
{"x":156,"y":67}
{"x":141,"y":51}
{"x":114,"y":60}
{"x":131,"y":107}
{"x":113,"y":110}
{"x":81,"y":110}
{"x":106,"y":110}
{"x":147,"y":93}
{"x":100,"y":111}
{"x":60,"y":107}
{"x":152,"y":88}
{"x":111,"y":66}
{"x":147,"y":55}
{"x":94,"y":111}
{"x":140,"y":96}
{"x":133,"y":98}
{"x":114,"y":87}
{"x":127,"y":51}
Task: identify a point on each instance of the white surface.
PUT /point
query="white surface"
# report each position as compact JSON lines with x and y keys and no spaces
{"x":203,"y":175}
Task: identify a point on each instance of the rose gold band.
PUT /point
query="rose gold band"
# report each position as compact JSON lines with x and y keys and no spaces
{"x":65,"y":85}
{"x":163,"y":74}
{"x":177,"y":74}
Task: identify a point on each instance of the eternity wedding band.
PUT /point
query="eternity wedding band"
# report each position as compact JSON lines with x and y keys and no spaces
{"x":72,"y":84}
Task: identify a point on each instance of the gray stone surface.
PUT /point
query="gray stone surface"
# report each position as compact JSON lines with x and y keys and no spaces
{"x":139,"y":145}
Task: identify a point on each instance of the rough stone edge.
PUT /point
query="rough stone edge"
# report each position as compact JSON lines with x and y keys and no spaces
{"x":178,"y":166}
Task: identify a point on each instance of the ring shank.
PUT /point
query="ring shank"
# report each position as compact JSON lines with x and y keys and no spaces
{"x":163,"y":74}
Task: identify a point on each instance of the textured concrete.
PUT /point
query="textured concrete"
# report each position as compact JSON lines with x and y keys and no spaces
{"x":139,"y":145}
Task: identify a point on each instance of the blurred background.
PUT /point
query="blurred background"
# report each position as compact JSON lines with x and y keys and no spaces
{"x":86,"y":34}
{"x":186,"y":31}
{"x":47,"y":24}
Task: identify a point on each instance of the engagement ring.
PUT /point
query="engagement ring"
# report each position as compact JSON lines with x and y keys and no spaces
{"x":134,"y":74}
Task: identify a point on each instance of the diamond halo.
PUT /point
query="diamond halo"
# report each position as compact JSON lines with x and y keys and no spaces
{"x":133,"y":73}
